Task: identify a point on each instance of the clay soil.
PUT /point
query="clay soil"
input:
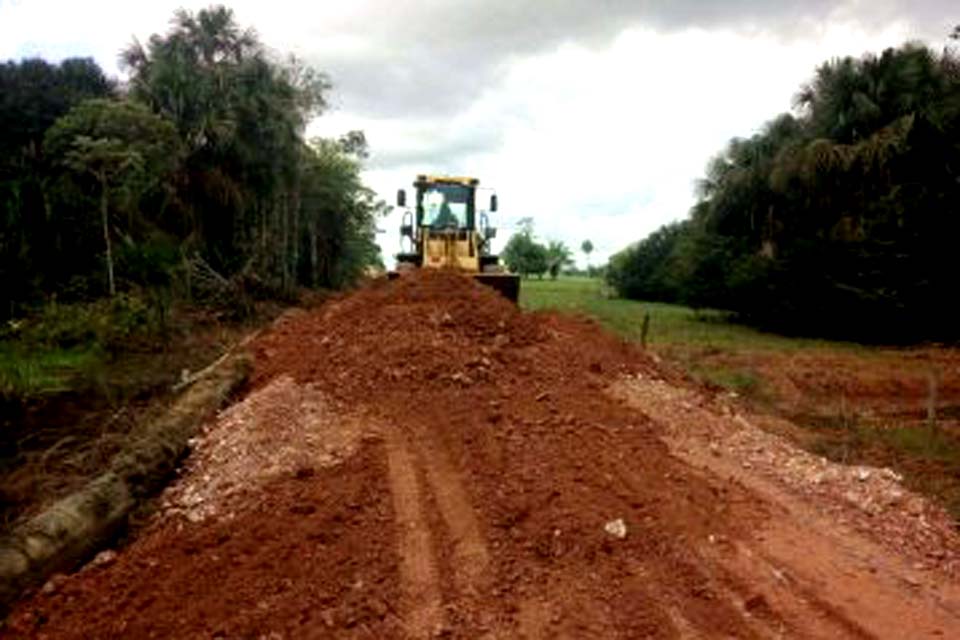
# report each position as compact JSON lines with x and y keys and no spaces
{"x":887,"y":407}
{"x":452,"y":467}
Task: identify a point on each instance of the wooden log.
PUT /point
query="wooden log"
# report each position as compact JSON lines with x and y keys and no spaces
{"x":75,"y":527}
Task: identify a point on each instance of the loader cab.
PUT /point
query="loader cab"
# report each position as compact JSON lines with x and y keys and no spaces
{"x":443,"y":202}
{"x":444,"y":226}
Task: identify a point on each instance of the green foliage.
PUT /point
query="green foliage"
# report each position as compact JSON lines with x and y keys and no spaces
{"x":62,"y":343}
{"x":124,"y":148}
{"x":642,"y":271}
{"x":33,"y":95}
{"x":266,"y":206}
{"x":151,"y":262}
{"x":115,"y":137}
{"x":559,"y":256}
{"x":199,"y":179}
{"x":524,"y":255}
{"x":839,"y":220}
{"x":341,"y":225}
{"x":102,"y":325}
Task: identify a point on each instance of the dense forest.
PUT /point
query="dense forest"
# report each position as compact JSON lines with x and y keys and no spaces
{"x":191,"y":179}
{"x":840,"y":218}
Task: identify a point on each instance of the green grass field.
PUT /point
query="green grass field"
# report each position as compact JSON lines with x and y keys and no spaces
{"x":670,"y":324}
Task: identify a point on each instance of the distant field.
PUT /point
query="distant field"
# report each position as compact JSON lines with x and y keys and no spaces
{"x":669,"y":324}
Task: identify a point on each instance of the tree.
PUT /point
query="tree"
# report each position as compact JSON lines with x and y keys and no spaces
{"x":33,"y":94}
{"x":587,"y":247}
{"x":340,"y":216}
{"x":558,"y":257}
{"x":263,"y":201}
{"x":202,"y":171}
{"x":524,"y":255}
{"x":242,"y":118}
{"x":354,"y":143}
{"x":647,"y":270}
{"x":124,"y":147}
{"x":846,"y":204}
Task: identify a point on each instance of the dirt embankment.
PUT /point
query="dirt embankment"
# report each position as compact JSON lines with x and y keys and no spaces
{"x":884,"y":407}
{"x":421,"y":459}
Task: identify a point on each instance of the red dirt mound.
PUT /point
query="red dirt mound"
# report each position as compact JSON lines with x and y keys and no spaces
{"x":497,"y":492}
{"x":424,"y":332}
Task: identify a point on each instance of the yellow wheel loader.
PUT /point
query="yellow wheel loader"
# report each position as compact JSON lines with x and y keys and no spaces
{"x":444,"y":229}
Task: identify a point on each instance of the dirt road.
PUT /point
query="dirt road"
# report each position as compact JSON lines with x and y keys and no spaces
{"x":422,"y":460}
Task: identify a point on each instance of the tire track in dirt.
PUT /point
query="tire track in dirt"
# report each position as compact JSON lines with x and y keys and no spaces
{"x":809,"y":574}
{"x":820,"y":577}
{"x":713,"y":610}
{"x":470,"y":555}
{"x":418,"y":566}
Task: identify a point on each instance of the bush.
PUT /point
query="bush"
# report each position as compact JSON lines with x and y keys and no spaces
{"x":104,"y":323}
{"x":44,"y":353}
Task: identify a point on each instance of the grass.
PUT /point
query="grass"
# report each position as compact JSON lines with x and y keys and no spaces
{"x":61,"y":347}
{"x":678,"y":332}
{"x":670,"y":324}
{"x":39,"y":371}
{"x":743,"y":381}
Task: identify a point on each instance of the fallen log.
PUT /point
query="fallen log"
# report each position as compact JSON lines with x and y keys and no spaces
{"x":75,"y":527}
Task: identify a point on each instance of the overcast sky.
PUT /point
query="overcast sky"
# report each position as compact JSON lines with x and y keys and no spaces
{"x":595,"y":117}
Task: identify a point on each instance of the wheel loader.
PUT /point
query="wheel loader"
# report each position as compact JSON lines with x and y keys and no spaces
{"x":444,"y":229}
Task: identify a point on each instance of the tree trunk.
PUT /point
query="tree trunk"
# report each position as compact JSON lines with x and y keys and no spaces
{"x":294,"y":199}
{"x":280,"y":206}
{"x":313,"y":250}
{"x":104,"y":219}
{"x":264,"y":227}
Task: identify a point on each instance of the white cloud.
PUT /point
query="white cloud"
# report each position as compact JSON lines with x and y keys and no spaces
{"x":606,"y":143}
{"x":595,"y":121}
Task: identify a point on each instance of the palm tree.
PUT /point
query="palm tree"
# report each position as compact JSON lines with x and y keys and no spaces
{"x":243,"y":118}
{"x":558,"y":257}
{"x":587,"y":247}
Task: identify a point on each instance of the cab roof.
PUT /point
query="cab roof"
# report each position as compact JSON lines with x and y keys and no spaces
{"x":466,"y":181}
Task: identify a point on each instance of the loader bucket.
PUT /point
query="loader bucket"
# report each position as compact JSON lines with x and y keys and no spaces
{"x":507,"y":284}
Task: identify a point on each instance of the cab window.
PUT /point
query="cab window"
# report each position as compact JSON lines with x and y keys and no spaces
{"x":445,"y":206}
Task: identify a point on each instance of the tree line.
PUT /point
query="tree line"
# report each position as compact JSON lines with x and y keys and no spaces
{"x":839,"y":218}
{"x":194,"y":176}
